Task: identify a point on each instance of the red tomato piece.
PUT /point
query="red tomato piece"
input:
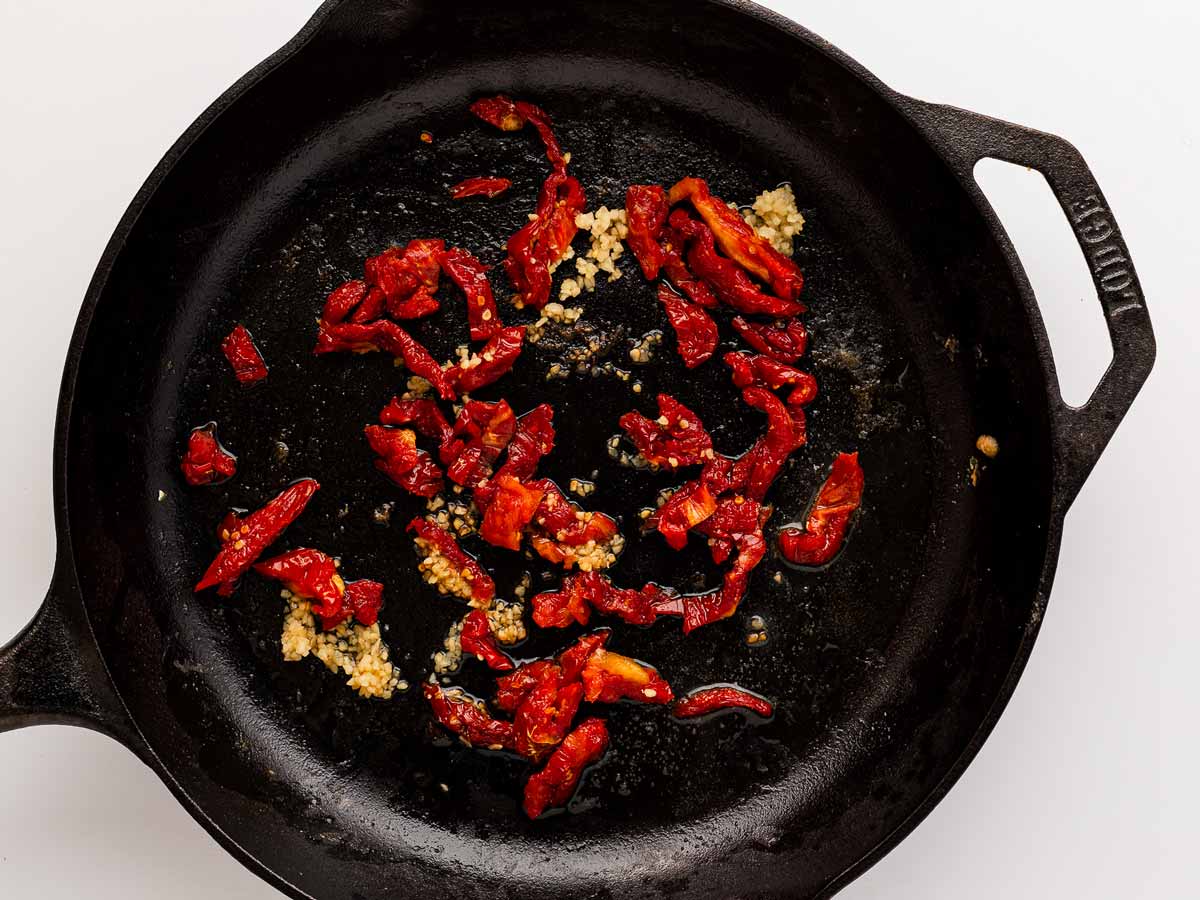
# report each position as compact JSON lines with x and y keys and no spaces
{"x":243,"y":356}
{"x":557,"y":782}
{"x":829,"y":519}
{"x":477,"y":640}
{"x":481,"y":186}
{"x":695,"y":331}
{"x":206,"y":461}
{"x":243,"y":539}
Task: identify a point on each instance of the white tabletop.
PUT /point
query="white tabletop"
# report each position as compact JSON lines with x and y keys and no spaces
{"x":1086,"y":788}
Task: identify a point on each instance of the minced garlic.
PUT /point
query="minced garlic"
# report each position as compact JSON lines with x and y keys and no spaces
{"x":607,"y":228}
{"x":775,"y":218}
{"x":353,"y":649}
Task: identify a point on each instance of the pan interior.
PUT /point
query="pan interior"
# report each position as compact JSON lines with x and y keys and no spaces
{"x":881,"y":666}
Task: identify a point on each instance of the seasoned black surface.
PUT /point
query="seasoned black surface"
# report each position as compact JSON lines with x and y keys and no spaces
{"x":881,"y":666}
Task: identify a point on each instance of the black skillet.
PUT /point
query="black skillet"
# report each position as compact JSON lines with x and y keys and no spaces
{"x":888,"y":668}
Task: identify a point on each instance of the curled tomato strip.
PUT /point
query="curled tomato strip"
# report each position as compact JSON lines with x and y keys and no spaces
{"x":825,"y":530}
{"x":390,"y":338}
{"x":481,"y":433}
{"x":477,"y":640}
{"x":422,"y":413}
{"x":483,"y":588}
{"x":688,"y":507}
{"x":752,"y":370}
{"x":495,"y":360}
{"x":763,"y":462}
{"x":609,"y":677}
{"x":512,"y":115}
{"x":313,"y":575}
{"x":675,"y":439}
{"x":540,"y":244}
{"x":733,"y":517}
{"x":561,"y":531}
{"x":727,"y":279}
{"x":243,"y":356}
{"x":364,"y":599}
{"x":739,"y":240}
{"x":545,"y":716}
{"x":465,"y":716}
{"x":471,"y":277}
{"x":702,"y":702}
{"x":401,"y":460}
{"x":534,"y":439}
{"x":243,"y":540}
{"x":784,"y":342}
{"x":555,"y":784}
{"x":482,"y":186}
{"x":206,"y":461}
{"x":695,"y":331}
{"x":343,"y":300}
{"x":307,"y":573}
{"x":510,"y":508}
{"x":646,"y":214}
{"x":513,"y":688}
{"x":399,"y":273}
{"x":587,"y":591}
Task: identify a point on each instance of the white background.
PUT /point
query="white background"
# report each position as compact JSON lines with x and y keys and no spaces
{"x":1087,"y":786}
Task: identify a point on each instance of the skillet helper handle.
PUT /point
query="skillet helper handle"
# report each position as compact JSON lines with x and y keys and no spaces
{"x":1080,"y":433}
{"x":51,"y":673}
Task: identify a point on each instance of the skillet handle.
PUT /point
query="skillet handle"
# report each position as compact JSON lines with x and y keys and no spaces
{"x":51,"y":673}
{"x":1080,"y":433}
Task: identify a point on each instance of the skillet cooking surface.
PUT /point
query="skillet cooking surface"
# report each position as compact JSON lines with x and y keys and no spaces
{"x":881,"y":666}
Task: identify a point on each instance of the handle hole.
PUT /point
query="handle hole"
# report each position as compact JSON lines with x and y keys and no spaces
{"x":1057,"y":270}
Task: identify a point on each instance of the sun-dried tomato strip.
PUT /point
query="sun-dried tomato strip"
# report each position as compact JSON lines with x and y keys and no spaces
{"x":544,"y":240}
{"x":390,"y":338}
{"x":477,"y":640}
{"x":534,"y":439}
{"x":513,"y":688}
{"x":312,"y":575}
{"x":785,"y":341}
{"x":401,"y":460}
{"x":243,"y":539}
{"x":695,"y":331}
{"x":739,"y":240}
{"x":727,"y":279}
{"x":471,"y":277}
{"x":609,"y":677}
{"x":480,"y":186}
{"x":545,"y":716}
{"x":422,"y":413}
{"x":734,"y":515}
{"x":464,"y":716}
{"x":646,"y":213}
{"x":684,"y":510}
{"x":825,"y":530}
{"x":206,"y":461}
{"x":491,"y":363}
{"x":483,"y":588}
{"x":558,"y":781}
{"x":587,"y":591}
{"x":512,"y":115}
{"x":702,"y":702}
{"x":364,"y":599}
{"x":510,"y":507}
{"x":750,"y":369}
{"x":343,"y":300}
{"x":243,"y":355}
{"x":675,"y":439}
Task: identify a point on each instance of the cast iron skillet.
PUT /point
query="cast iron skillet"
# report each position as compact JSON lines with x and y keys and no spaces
{"x":889,"y":668}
